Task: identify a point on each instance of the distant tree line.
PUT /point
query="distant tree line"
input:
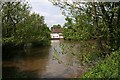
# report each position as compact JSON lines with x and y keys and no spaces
{"x":58,"y":26}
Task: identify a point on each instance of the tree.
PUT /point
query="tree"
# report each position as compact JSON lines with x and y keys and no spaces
{"x":56,"y":26}
{"x":12,"y":14}
{"x":21,"y":27}
{"x":98,"y":19}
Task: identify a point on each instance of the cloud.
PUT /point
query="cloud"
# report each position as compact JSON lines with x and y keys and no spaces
{"x":39,"y":1}
{"x":51,"y":13}
{"x":58,"y":16}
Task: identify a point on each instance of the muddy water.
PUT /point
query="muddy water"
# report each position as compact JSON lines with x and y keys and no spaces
{"x":44,"y":62}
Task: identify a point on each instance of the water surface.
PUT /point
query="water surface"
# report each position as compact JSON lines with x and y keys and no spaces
{"x":44,"y":62}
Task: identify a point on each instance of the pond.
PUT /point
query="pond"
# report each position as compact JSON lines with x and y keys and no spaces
{"x":43,"y":62}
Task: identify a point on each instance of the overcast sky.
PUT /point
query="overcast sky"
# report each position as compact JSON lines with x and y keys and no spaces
{"x":51,"y":13}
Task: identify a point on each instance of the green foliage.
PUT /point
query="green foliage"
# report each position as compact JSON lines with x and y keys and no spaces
{"x":108,"y":68}
{"x":79,"y":25}
{"x":56,"y":26}
{"x":85,"y":53}
{"x":19,"y":26}
{"x":99,"y":20}
{"x":69,"y":34}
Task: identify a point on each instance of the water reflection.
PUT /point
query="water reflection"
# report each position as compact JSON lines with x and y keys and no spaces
{"x":39,"y":63}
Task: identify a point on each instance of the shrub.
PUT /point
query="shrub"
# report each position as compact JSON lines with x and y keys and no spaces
{"x":108,"y":68}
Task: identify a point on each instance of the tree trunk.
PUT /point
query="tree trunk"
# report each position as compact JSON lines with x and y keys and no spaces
{"x":97,"y":31}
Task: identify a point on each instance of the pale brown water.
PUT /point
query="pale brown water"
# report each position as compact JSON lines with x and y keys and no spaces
{"x":40,"y":63}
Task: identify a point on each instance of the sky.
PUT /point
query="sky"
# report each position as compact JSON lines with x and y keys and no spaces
{"x":53,"y":14}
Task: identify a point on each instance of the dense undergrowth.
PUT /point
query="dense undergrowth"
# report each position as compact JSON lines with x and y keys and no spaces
{"x":108,"y":68}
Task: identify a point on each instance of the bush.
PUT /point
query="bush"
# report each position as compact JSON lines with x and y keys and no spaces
{"x":108,"y":68}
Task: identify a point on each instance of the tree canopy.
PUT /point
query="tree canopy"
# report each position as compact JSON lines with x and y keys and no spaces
{"x":56,"y":26}
{"x":20,"y":26}
{"x":92,"y":20}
